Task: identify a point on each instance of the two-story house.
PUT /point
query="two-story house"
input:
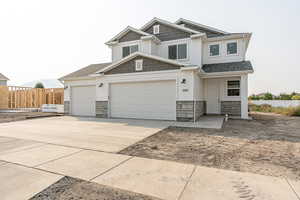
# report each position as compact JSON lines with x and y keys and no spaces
{"x":167,"y":71}
{"x":3,"y":79}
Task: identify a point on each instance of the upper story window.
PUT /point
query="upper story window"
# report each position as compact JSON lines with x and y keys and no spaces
{"x":127,"y":50}
{"x":214,"y":50}
{"x":231,"y":48}
{"x":233,"y":88}
{"x":178,"y":51}
{"x":139,"y":65}
{"x":156,"y":29}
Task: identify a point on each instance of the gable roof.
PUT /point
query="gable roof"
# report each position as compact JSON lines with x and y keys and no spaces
{"x":126,"y":30}
{"x":3,"y":78}
{"x":228,"y":67}
{"x":86,"y":71}
{"x":132,"y":56}
{"x":182,"y":20}
{"x":155,"y":19}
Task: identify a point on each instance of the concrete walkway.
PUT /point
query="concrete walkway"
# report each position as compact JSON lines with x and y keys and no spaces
{"x":25,"y":172}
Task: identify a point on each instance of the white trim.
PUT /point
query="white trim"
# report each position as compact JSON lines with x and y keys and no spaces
{"x":134,"y":74}
{"x":187,"y":51}
{"x":200,"y":25}
{"x":155,"y":19}
{"x":226,"y":88}
{"x":131,"y":56}
{"x":139,"y":65}
{"x":225,"y":74}
{"x":156,"y":29}
{"x":228,"y":37}
{"x":220,"y":47}
{"x":126,"y":30}
{"x":89,"y":77}
{"x":237,"y":47}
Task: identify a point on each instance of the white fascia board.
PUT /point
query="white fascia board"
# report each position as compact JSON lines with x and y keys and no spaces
{"x":189,"y":68}
{"x":155,"y":19}
{"x":198,"y":35}
{"x":151,"y":37}
{"x":126,"y":30}
{"x":227,"y":37}
{"x":200,"y":25}
{"x":78,"y":78}
{"x":225,"y":74}
{"x":135,"y":55}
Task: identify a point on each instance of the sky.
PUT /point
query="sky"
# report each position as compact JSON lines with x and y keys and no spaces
{"x":46,"y":39}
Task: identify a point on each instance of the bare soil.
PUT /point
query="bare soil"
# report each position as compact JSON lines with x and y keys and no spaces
{"x":69,"y":188}
{"x":267,"y":145}
{"x":16,"y":116}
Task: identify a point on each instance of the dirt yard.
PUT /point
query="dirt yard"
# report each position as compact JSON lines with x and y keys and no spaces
{"x":69,"y":188}
{"x":16,"y":116}
{"x":268,"y":145}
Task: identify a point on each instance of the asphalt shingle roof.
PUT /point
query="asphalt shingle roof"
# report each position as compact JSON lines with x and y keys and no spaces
{"x":227,"y":67}
{"x":2,"y":77}
{"x":91,"y":69}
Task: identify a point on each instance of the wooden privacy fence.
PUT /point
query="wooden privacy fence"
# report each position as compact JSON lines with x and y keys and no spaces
{"x":25,"y":97}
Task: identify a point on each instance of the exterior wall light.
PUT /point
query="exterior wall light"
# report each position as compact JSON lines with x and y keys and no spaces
{"x":100,"y":85}
{"x":183,"y":81}
{"x":66,"y":87}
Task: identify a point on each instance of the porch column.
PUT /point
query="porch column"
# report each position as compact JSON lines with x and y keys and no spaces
{"x":244,"y":96}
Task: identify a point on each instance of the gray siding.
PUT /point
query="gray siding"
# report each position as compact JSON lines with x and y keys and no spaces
{"x":102,"y":109}
{"x":185,"y":110}
{"x":168,"y":33}
{"x":130,"y":36}
{"x":148,"y":65}
{"x":231,"y":108}
{"x":3,"y":82}
{"x":209,"y":33}
{"x":67,"y":107}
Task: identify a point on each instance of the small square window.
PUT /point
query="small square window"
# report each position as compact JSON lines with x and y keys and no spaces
{"x":156,"y":29}
{"x":214,"y":50}
{"x":231,"y":48}
{"x":182,"y":51}
{"x":138,"y":65}
{"x":233,"y":88}
{"x":173,"y":52}
{"x":177,"y":51}
{"x":127,"y":50}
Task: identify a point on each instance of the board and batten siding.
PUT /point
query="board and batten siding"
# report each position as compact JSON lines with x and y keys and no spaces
{"x":277,"y":103}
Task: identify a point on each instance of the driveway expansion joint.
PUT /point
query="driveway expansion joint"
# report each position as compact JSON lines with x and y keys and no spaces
{"x":112,"y":168}
{"x":292,"y":188}
{"x":187,"y":182}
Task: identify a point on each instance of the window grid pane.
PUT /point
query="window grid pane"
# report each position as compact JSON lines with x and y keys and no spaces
{"x":134,"y":48}
{"x":126,"y":51}
{"x":182,"y":51}
{"x":173,"y":52}
{"x":214,"y":50}
{"x":232,"y":48}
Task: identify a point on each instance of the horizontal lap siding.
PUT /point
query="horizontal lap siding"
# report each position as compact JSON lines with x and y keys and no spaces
{"x":148,"y":65}
{"x":102,"y":109}
{"x":130,"y":36}
{"x":231,"y":108}
{"x":168,"y":33}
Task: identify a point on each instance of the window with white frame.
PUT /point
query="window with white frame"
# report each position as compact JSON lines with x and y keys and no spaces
{"x":233,"y":88}
{"x":139,"y":65}
{"x":156,"y":29}
{"x":214,"y":50}
{"x":127,"y":50}
{"x":177,"y":51}
{"x":231,"y":48}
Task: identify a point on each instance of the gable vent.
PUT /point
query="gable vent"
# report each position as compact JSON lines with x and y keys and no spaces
{"x":139,"y":65}
{"x":156,"y":29}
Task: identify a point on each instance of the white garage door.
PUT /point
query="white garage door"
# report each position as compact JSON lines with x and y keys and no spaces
{"x":144,"y":100}
{"x":83,"y":100}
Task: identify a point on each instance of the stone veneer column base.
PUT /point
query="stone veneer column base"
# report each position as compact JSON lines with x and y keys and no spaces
{"x":185,"y":110}
{"x":231,"y":108}
{"x":67,"y":107}
{"x":102,"y":109}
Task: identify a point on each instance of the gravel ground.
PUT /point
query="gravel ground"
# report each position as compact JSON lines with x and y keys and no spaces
{"x":267,"y":145}
{"x":69,"y":188}
{"x":17,"y":116}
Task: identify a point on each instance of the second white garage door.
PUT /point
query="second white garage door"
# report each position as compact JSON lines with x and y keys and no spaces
{"x":83,"y":100}
{"x":144,"y":100}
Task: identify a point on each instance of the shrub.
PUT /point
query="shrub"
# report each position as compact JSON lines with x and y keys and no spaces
{"x":290,"y":111}
{"x":39,"y":85}
{"x":296,"y":97}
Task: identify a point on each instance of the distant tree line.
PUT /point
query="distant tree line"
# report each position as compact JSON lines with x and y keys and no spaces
{"x":270,"y":96}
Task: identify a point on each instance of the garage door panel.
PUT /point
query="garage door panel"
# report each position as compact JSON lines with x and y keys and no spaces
{"x":83,"y":100}
{"x":144,"y":100}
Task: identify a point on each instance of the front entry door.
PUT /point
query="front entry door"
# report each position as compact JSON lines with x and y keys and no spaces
{"x":213,"y":96}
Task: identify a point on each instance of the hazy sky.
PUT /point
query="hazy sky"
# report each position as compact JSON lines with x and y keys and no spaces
{"x":48,"y":39}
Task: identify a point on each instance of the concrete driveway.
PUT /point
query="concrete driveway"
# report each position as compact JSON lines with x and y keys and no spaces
{"x":109,"y":135}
